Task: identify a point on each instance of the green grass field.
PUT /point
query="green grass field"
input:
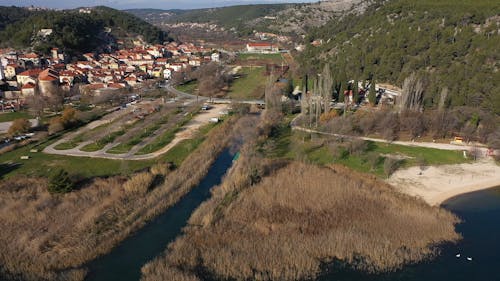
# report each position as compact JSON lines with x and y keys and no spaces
{"x":66,"y":145}
{"x":11,"y":116}
{"x":251,"y":85}
{"x":180,"y":151}
{"x":267,"y":58}
{"x":284,"y":143}
{"x":189,"y":87}
{"x":41,"y":164}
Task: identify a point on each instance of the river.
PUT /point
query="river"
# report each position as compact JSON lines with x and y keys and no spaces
{"x":480,"y":213}
{"x":125,"y":261}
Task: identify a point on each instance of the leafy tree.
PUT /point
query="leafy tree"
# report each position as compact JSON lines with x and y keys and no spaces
{"x":60,"y":182}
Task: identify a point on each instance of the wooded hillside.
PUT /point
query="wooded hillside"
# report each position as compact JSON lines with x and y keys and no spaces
{"x":452,"y":45}
{"x":73,"y":32}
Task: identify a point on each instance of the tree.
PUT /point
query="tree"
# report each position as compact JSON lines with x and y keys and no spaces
{"x":355,"y":92}
{"x":55,"y":125}
{"x":372,"y":95}
{"x":19,"y":126}
{"x":68,"y":117}
{"x":412,"y":96}
{"x":60,"y":182}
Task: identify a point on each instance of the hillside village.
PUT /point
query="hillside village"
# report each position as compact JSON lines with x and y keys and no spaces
{"x":27,"y":74}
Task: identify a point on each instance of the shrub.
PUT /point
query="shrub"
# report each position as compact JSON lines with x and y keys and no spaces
{"x":60,"y":182}
{"x":139,"y":183}
{"x":391,"y":165}
{"x":19,"y":126}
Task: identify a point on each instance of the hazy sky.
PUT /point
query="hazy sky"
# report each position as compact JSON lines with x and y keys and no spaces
{"x":127,"y":4}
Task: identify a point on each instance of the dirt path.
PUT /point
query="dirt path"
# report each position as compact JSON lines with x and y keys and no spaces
{"x":186,"y":132}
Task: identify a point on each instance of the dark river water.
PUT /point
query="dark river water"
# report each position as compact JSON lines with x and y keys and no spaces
{"x":480,"y":213}
{"x":125,"y":261}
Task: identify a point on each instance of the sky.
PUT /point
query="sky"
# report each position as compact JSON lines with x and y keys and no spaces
{"x":131,"y":4}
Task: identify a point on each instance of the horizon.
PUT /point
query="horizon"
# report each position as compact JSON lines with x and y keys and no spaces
{"x":145,"y":4}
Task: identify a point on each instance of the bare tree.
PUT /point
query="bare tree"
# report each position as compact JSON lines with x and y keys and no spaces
{"x":412,"y":96}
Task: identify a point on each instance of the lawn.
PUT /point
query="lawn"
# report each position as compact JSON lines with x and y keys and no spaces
{"x":11,"y":116}
{"x":188,"y":87}
{"x":180,"y":151}
{"x":66,"y":145}
{"x":283,"y":143}
{"x":250,"y":85}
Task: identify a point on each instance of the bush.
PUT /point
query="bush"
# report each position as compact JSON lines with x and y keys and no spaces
{"x":60,"y":182}
{"x":391,"y":165}
{"x":139,"y":183}
{"x":19,"y":126}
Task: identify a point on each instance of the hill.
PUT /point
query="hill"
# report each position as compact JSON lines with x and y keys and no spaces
{"x":279,"y":18}
{"x":73,"y":31}
{"x":452,"y":46}
{"x":242,"y":17}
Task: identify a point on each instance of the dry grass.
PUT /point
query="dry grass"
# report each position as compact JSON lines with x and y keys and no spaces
{"x":47,"y":237}
{"x":286,"y":226}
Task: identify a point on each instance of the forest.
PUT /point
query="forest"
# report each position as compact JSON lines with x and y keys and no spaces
{"x":452,"y":46}
{"x":73,"y":32}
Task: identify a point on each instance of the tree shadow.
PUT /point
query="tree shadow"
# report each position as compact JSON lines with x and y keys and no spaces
{"x":6,"y":168}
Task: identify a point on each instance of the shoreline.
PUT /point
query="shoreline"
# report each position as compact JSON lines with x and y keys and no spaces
{"x":436,"y":184}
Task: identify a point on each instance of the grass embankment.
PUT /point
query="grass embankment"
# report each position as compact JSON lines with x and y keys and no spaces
{"x":276,"y":220}
{"x":250,"y":85}
{"x":91,"y":220}
{"x":11,"y":116}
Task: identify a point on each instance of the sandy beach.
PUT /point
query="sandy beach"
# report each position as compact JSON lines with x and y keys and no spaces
{"x":436,"y":184}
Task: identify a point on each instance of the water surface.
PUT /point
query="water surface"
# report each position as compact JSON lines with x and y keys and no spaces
{"x":480,"y":212}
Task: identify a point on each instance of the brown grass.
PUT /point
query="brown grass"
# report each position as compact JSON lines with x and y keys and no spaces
{"x":47,"y":237}
{"x":286,"y":226}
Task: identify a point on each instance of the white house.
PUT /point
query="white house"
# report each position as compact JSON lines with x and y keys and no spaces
{"x":167,"y":73}
{"x":215,"y":57}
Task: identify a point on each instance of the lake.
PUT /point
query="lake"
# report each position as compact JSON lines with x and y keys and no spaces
{"x":480,"y":213}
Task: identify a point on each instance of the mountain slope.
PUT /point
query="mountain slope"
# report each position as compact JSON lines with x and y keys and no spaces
{"x":453,"y":46}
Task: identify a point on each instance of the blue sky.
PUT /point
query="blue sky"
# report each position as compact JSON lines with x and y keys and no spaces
{"x":127,"y":4}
